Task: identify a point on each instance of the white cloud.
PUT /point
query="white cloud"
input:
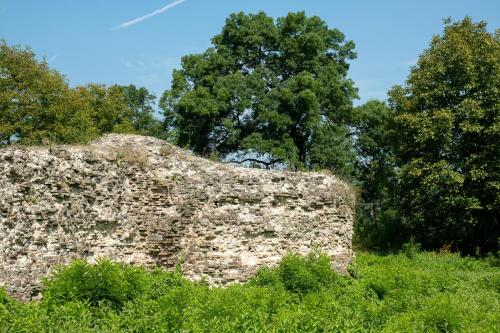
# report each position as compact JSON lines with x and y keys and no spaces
{"x":147,"y":16}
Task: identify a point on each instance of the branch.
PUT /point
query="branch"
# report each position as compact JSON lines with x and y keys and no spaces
{"x":267,"y":164}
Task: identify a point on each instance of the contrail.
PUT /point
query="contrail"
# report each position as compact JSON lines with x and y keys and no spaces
{"x":145,"y":17}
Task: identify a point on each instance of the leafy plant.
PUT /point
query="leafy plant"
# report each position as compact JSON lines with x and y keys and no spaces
{"x":104,"y":282}
{"x":423,"y":292}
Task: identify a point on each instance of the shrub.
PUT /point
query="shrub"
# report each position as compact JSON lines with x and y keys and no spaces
{"x":423,"y":292}
{"x":161,"y":282}
{"x":107,"y":282}
{"x":299,"y":274}
{"x":305,"y":274}
{"x":410,"y":249}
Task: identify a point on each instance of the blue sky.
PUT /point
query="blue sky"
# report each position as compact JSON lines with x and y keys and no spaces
{"x":77,"y":37}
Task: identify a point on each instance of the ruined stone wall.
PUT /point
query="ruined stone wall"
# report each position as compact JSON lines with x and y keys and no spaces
{"x":143,"y":201}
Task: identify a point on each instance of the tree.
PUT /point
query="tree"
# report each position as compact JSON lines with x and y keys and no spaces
{"x":34,"y":101}
{"x":376,"y":216}
{"x":271,"y":92}
{"x":107,"y":108}
{"x":448,"y":130}
{"x":141,"y":102}
{"x":37,"y":105}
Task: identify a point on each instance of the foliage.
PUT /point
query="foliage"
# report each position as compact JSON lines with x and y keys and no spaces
{"x":104,"y":282}
{"x":37,"y":105}
{"x":105,"y":106}
{"x":36,"y":102}
{"x":276,"y":93}
{"x":376,"y":219}
{"x":270,"y":92}
{"x":421,"y":292}
{"x":446,"y":143}
{"x":375,"y":164}
{"x":298,"y":274}
{"x":141,"y":102}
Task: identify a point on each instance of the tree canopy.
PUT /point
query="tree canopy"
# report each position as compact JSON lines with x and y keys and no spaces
{"x":447,"y":125}
{"x":141,"y":104}
{"x":376,"y":217}
{"x":269,"y":91}
{"x":37,"y":104}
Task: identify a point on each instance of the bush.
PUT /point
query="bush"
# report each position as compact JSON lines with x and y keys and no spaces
{"x":107,"y":282}
{"x":299,"y":274}
{"x":411,"y":248}
{"x":420,"y":292}
{"x":303,"y":275}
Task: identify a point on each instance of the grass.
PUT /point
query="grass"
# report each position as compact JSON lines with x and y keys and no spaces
{"x":408,"y":292}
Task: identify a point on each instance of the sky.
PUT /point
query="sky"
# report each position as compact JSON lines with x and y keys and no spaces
{"x":141,"y":42}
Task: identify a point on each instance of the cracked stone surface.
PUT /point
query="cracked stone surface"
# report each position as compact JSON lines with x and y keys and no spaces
{"x":143,"y":201}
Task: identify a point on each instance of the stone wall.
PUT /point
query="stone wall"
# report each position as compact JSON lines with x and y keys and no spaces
{"x":143,"y":201}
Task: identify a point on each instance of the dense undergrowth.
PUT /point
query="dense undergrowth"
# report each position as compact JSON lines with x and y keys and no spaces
{"x":406,"y":292}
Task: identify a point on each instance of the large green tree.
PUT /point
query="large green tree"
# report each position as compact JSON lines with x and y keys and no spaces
{"x":34,"y":103}
{"x":447,"y":143}
{"x":377,"y":218}
{"x":141,"y":103}
{"x":106,"y":106}
{"x":268,"y":91}
{"x":37,"y":104}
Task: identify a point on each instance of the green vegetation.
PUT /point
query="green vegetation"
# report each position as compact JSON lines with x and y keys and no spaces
{"x":140,"y":101}
{"x":408,"y":292}
{"x":433,"y":170}
{"x":276,"y":92}
{"x":272,"y":92}
{"x":37,"y":105}
{"x":447,"y":152}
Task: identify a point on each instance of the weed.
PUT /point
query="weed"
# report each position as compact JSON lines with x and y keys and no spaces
{"x":412,"y":291}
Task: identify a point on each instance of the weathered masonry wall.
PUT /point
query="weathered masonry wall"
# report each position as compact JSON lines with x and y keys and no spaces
{"x":143,"y":201}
